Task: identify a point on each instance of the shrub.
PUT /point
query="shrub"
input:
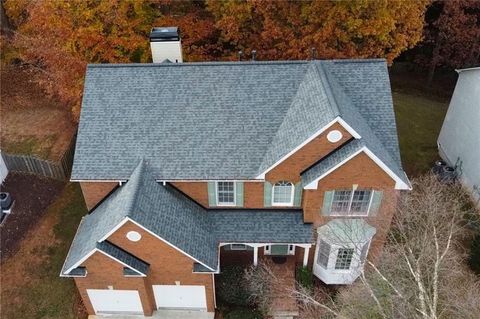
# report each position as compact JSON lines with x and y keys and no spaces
{"x":243,"y":313}
{"x":474,"y":259}
{"x":305,"y":278}
{"x":230,"y":288}
{"x":262,"y":285}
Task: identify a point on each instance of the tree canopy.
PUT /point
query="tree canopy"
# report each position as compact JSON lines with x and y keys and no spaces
{"x":452,"y":35}
{"x":61,"y":37}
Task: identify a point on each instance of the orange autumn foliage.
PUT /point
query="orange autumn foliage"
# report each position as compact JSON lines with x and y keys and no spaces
{"x":61,"y":37}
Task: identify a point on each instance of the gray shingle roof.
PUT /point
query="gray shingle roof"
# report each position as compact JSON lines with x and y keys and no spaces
{"x":123,"y":256}
{"x":260,"y":226}
{"x":180,"y":221}
{"x":225,"y":120}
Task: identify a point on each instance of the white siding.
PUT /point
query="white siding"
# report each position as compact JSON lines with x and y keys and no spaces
{"x":3,"y":169}
{"x":459,"y":140}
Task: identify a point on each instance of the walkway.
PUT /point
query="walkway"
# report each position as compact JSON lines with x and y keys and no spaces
{"x":283,"y":305}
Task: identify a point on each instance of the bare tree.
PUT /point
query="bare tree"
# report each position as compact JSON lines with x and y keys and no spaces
{"x":422,"y":271}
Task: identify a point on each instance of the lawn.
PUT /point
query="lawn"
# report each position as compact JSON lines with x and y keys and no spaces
{"x":32,"y":123}
{"x":419,"y":120}
{"x":30,"y":283}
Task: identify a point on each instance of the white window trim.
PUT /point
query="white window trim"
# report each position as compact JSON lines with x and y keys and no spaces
{"x":291,"y":196}
{"x":234,"y":194}
{"x":356,"y":214}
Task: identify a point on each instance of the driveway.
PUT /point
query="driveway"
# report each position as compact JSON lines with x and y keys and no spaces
{"x":32,"y":195}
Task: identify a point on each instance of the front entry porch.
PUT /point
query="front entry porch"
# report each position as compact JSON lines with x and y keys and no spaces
{"x":282,"y":260}
{"x":248,"y":253}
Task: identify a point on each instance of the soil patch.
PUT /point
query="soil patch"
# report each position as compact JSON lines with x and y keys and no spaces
{"x":32,"y":195}
{"x":30,"y":283}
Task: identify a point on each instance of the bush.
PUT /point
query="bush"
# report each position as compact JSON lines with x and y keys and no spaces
{"x":474,"y":259}
{"x":230,"y":288}
{"x":243,"y":313}
{"x":305,"y":278}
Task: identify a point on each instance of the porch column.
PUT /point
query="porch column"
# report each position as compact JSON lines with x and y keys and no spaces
{"x":255,"y":255}
{"x":306,"y":252}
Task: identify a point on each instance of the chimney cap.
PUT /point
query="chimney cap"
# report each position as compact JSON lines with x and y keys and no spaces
{"x":161,"y":34}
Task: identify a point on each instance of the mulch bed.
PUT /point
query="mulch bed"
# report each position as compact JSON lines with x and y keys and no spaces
{"x":32,"y":195}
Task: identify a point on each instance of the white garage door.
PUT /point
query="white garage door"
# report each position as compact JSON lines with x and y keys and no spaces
{"x":115,"y":301}
{"x":180,"y":297}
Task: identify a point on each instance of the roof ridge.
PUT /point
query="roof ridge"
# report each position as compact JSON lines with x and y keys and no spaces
{"x":324,"y":80}
{"x":221,"y":63}
{"x":185,"y":64}
{"x":135,"y":179}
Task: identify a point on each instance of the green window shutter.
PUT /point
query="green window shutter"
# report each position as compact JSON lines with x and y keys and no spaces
{"x":297,"y":196}
{"x":376,"y":202}
{"x":327,"y":202}
{"x":212,"y":196}
{"x":239,"y":194}
{"x":267,"y":194}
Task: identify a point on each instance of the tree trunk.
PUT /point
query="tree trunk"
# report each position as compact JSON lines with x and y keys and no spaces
{"x":5,"y":25}
{"x":433,"y":62}
{"x":431,"y":73}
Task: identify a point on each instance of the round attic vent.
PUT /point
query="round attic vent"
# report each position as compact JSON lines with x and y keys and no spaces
{"x":133,"y":236}
{"x":334,"y":136}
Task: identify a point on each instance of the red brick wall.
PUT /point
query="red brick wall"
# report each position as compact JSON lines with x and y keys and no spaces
{"x":363,"y":171}
{"x":94,"y":192}
{"x":103,"y":272}
{"x":305,"y":157}
{"x":167,"y":264}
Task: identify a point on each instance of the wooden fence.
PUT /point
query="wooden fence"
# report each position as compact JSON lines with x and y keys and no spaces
{"x":34,"y":165}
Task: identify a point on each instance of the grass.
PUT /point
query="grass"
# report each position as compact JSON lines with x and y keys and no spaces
{"x":419,"y":120}
{"x":39,"y":292}
{"x":31,"y":145}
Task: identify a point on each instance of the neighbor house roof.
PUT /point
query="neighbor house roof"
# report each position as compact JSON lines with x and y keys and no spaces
{"x":225,"y":120}
{"x":170,"y":215}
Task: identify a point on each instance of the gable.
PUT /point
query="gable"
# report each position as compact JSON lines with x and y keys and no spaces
{"x":310,"y":153}
{"x":360,"y":169}
{"x":150,"y":248}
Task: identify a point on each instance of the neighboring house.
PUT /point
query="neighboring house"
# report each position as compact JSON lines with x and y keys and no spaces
{"x":3,"y":169}
{"x":180,"y":162}
{"x":459,"y":139}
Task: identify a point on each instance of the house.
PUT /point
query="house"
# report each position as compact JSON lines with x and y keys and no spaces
{"x":180,"y":163}
{"x":459,"y":139}
{"x":3,"y":169}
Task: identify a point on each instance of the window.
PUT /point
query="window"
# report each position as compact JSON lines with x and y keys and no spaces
{"x":323,"y":254}
{"x":238,"y":247}
{"x":344,"y":258}
{"x":279,"y":250}
{"x":350,"y":202}
{"x":282,"y":194}
{"x":225,"y":193}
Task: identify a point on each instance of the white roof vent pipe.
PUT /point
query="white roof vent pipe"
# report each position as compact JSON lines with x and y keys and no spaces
{"x":166,"y":45}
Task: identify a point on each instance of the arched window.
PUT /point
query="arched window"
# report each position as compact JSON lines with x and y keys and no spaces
{"x":282,"y":194}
